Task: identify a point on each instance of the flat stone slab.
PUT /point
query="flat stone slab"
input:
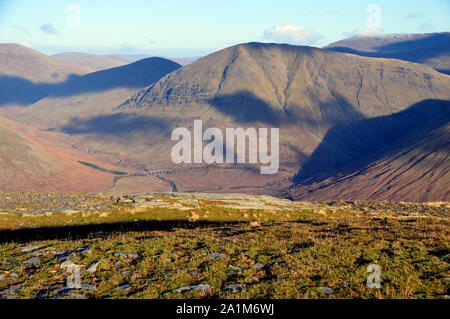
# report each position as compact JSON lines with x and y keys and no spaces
{"x":258,"y":266}
{"x":217,"y":255}
{"x":327,"y":290}
{"x":124,"y":287}
{"x":93,"y":267}
{"x":185,"y":201}
{"x":77,"y":287}
{"x":235,"y":268}
{"x":199,"y":287}
{"x":27,"y":249}
{"x":32,"y":261}
{"x":126,"y":255}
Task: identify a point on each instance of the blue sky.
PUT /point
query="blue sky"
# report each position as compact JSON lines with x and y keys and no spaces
{"x":183,"y":28}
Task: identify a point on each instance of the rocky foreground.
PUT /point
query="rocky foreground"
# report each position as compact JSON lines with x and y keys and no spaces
{"x":45,"y":204}
{"x":196,"y":245}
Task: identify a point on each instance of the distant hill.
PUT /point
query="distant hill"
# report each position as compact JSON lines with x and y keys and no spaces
{"x":107,"y":61}
{"x":432,"y":49}
{"x":27,"y":75}
{"x":98,"y":92}
{"x":95,"y":61}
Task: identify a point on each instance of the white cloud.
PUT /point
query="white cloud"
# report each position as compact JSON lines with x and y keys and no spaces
{"x":291,"y":33}
{"x":49,"y":28}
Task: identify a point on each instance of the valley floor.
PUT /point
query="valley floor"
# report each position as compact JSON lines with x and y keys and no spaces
{"x":194,"y":245}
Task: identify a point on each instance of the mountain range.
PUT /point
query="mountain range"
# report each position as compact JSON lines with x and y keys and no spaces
{"x":107,"y":61}
{"x":364,"y":118}
{"x":432,"y":49}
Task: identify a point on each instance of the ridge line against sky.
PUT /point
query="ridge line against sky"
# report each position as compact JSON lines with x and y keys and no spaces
{"x":180,"y":28}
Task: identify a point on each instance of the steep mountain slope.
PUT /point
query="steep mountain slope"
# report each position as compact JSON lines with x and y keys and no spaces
{"x":27,"y":75}
{"x":414,"y":168}
{"x":34,"y":161}
{"x":432,"y":49}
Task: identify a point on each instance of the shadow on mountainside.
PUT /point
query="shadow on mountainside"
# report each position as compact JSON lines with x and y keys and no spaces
{"x":430,"y":41}
{"x":16,"y":90}
{"x":347,"y":143}
{"x":116,"y":124}
{"x":411,"y":50}
{"x":245,"y":107}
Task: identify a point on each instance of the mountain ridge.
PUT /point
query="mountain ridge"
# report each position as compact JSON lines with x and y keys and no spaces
{"x":432,"y":49}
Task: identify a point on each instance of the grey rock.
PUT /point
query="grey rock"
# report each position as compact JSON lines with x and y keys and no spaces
{"x":66,"y":258}
{"x":70,"y":211}
{"x":235,"y":268}
{"x":10,"y":290}
{"x":199,"y":287}
{"x":258,"y":266}
{"x":327,"y":290}
{"x":68,"y":264}
{"x":76,"y":296}
{"x":126,"y":255}
{"x":77,"y":287}
{"x":27,"y":249}
{"x":192,"y":273}
{"x":62,"y":253}
{"x":37,"y":254}
{"x":127,"y":272}
{"x":32,"y":261}
{"x":124,"y":287}
{"x":168,"y":260}
{"x":235,"y":287}
{"x":93,"y":268}
{"x":217,"y":255}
